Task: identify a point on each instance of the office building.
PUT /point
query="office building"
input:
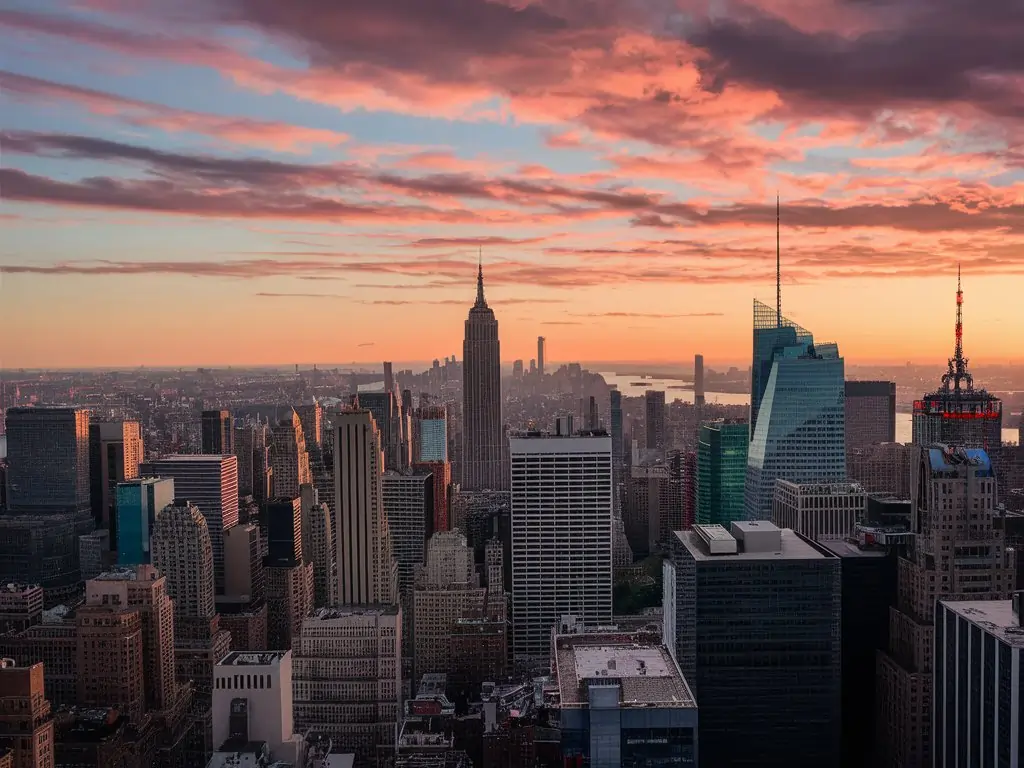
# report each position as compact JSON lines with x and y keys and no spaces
{"x":800,"y":433}
{"x":245,"y":621}
{"x":622,"y":700}
{"x":819,"y":511}
{"x":409,"y":504}
{"x":978,"y":676}
{"x":182,"y":551}
{"x":26,"y":725}
{"x":283,"y":528}
{"x":211,"y":484}
{"x":47,"y":460}
{"x":721,"y":471}
{"x":115,"y":450}
{"x":648,"y":501}
{"x":765,"y":594}
{"x":957,"y":550}
{"x":441,"y":476}
{"x":243,"y":559}
{"x":367,"y":570}
{"x":137,"y":503}
{"x":21,"y":606}
{"x":482,"y":437}
{"x":541,"y":341}
{"x":54,"y":645}
{"x":882,"y":468}
{"x":772,"y":333}
{"x":615,"y":419}
{"x":96,"y":737}
{"x":561,"y":502}
{"x":318,"y":547}
{"x":93,"y":553}
{"x":654,"y":410}
{"x":252,"y":450}
{"x":870,"y":413}
{"x":386,"y":410}
{"x":252,"y":701}
{"x":430,"y":434}
{"x":957,"y":413}
{"x":868,"y":573}
{"x":289,"y":459}
{"x":289,"y":600}
{"x":42,"y":549}
{"x":217,"y":432}
{"x":347,"y":679}
{"x":698,"y":380}
{"x":312,"y":419}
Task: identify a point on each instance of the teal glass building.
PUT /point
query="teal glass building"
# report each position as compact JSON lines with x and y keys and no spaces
{"x":800,"y":433}
{"x":721,"y":472}
{"x":138,"y":503}
{"x":771,"y":333}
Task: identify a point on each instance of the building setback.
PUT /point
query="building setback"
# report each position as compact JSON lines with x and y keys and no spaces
{"x":561,"y":502}
{"x":819,"y":511}
{"x":482,"y":437}
{"x":754,"y":619}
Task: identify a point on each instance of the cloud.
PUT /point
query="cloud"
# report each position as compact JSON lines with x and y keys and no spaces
{"x":650,"y":315}
{"x":366,"y":344}
{"x":560,"y":322}
{"x":268,"y":295}
{"x":232,"y":129}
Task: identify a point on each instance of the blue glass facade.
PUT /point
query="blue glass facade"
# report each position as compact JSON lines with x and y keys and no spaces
{"x":769,"y":337}
{"x":138,"y":503}
{"x":800,"y":434}
{"x":721,"y":472}
{"x":433,"y":440}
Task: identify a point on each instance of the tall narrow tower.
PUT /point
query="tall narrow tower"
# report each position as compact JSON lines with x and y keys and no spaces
{"x":541,"y":341}
{"x":481,"y":397}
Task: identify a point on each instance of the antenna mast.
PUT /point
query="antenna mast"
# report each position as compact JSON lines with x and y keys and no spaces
{"x":778,"y":263}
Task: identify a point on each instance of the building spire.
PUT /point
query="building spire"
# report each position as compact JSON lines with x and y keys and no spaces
{"x":778,"y":262}
{"x":480,"y":301}
{"x":957,"y":371}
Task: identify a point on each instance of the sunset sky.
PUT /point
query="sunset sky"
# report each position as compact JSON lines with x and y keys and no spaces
{"x":260,"y":181}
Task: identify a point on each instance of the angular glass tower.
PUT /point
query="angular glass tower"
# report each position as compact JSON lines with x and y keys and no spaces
{"x":800,"y":434}
{"x":721,"y":472}
{"x":772,"y":332}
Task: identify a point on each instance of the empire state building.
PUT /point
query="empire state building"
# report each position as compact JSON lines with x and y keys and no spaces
{"x":481,"y":397}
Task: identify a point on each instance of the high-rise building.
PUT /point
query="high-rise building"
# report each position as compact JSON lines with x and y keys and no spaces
{"x":47,"y":460}
{"x":957,"y":551}
{"x":615,"y":419}
{"x":53,"y":644}
{"x":819,"y":511}
{"x":622,"y":700}
{"x":561,"y":502}
{"x":312,"y":418}
{"x":253,"y":454}
{"x":698,"y":380}
{"x":183,"y":552}
{"x":978,"y":676}
{"x":115,"y":450}
{"x":252,"y":701}
{"x":430,"y":433}
{"x":289,"y":459}
{"x":800,"y":433}
{"x":318,"y":547}
{"x":648,"y":503}
{"x":283,"y":528}
{"x":42,"y":549}
{"x":138,"y":502}
{"x":409,"y":504}
{"x":721,"y":471}
{"x":883,"y":468}
{"x":367,"y":570}
{"x":386,"y":411}
{"x":347,"y":679}
{"x":654,"y":409}
{"x":21,"y":606}
{"x":26,"y":725}
{"x":772,"y":333}
{"x":389,"y":377}
{"x":441,"y":475}
{"x":764,"y":594}
{"x":957,"y":413}
{"x":217,"y":432}
{"x":482,"y":467}
{"x":243,"y":563}
{"x":541,"y":341}
{"x":870,"y":413}
{"x":211,"y":483}
{"x":93,"y":553}
{"x":289,"y":600}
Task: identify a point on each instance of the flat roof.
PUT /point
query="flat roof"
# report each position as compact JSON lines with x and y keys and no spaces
{"x":793,"y":548}
{"x":344,"y":611}
{"x":844,"y":548}
{"x":993,"y":616}
{"x":257,"y":658}
{"x":646,"y":672}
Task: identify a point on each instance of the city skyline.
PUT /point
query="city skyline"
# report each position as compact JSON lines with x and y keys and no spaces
{"x":617,"y":169}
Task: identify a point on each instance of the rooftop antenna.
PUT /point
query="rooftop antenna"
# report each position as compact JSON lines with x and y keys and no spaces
{"x":480,"y":302}
{"x":778,"y":262}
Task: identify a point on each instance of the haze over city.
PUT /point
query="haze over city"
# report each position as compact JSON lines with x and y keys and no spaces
{"x":228,"y":182}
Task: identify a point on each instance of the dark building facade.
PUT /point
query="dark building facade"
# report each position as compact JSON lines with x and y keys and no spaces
{"x":218,"y":432}
{"x":283,"y":529}
{"x":754,"y":619}
{"x":654,"y":411}
{"x":870,"y":413}
{"x":482,"y":437}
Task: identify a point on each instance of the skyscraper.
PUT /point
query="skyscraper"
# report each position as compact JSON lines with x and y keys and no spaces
{"x":615,"y":413}
{"x":800,"y":433}
{"x":367,"y":570}
{"x":115,"y":450}
{"x":561,"y":503}
{"x":318,"y":547}
{"x":409,"y":503}
{"x":957,"y":551}
{"x":957,"y":413}
{"x":430,"y":433}
{"x":26,"y":724}
{"x":47,"y":460}
{"x":721,"y":471}
{"x":283,"y":529}
{"x":288,"y":457}
{"x":182,"y":552}
{"x":211,"y":483}
{"x":217,"y":432}
{"x":772,"y":332}
{"x":698,"y":379}
{"x":482,"y":467}
{"x":139,"y":501}
{"x":540,"y":354}
{"x":386,"y":410}
{"x":312,"y":418}
{"x":753,"y":616}
{"x":654,"y":409}
{"x":819,"y":511}
{"x":870,"y":413}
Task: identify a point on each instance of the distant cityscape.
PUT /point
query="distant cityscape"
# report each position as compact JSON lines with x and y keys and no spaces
{"x":782,"y":565}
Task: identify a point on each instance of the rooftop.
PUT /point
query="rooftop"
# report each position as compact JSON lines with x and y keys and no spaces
{"x":261,"y":658}
{"x":846,"y":548}
{"x":793,"y":547}
{"x":646,"y":673}
{"x":344,"y":611}
{"x":18,"y":588}
{"x":996,"y":617}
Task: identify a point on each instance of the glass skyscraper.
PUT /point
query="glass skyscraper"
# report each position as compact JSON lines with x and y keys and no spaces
{"x":771,"y":333}
{"x":800,"y":434}
{"x":721,"y":471}
{"x":138,"y":502}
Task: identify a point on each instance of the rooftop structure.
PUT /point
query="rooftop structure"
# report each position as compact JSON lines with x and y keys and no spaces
{"x":747,"y":540}
{"x":261,"y":658}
